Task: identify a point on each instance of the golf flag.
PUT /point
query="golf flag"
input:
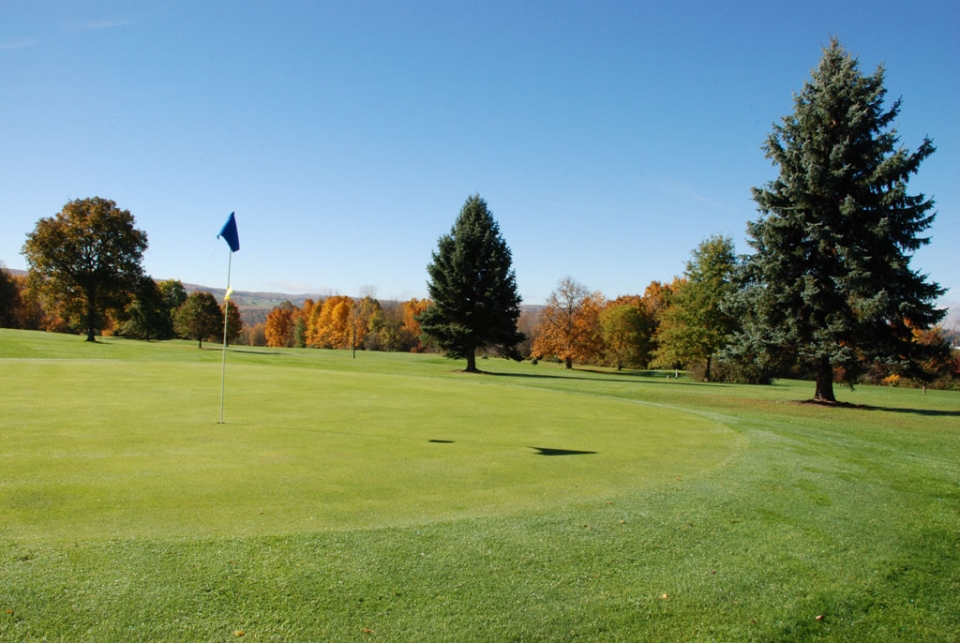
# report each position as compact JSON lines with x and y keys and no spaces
{"x":229,"y":233}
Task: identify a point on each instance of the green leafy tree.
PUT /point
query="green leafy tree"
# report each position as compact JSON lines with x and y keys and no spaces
{"x":695,"y":326}
{"x":147,"y":316}
{"x":830,"y":284}
{"x":622,"y":328}
{"x":199,"y":318}
{"x":473,"y":288}
{"x":88,"y":257}
{"x":174,"y":294}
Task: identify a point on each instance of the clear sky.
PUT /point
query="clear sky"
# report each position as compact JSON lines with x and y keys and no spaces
{"x":608,"y":138}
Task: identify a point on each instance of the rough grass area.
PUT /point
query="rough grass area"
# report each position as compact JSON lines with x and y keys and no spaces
{"x":392,"y":498}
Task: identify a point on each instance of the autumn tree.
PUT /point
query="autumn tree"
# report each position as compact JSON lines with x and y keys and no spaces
{"x":199,"y":318}
{"x":569,"y":327}
{"x":254,"y":335}
{"x":88,"y":256}
{"x":234,"y":321}
{"x":11,"y":303}
{"x":301,"y":323}
{"x":365,"y":317}
{"x":830,"y":285}
{"x":281,"y":325}
{"x":696,"y":326}
{"x":330,"y":325}
{"x":474,"y":289}
{"x":412,"y":333}
{"x":934,"y":358}
{"x":32,"y":314}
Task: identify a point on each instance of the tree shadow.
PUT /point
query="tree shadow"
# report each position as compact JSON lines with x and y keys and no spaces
{"x":646,"y":376}
{"x":888,"y":409}
{"x":552,"y":452}
{"x":540,"y":450}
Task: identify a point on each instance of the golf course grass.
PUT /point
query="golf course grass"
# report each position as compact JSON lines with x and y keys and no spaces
{"x":391,"y":497}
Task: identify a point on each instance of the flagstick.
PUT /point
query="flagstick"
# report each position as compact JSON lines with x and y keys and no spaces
{"x":226,"y":314}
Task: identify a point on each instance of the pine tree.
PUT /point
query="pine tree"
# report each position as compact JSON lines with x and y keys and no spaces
{"x":473,"y":288}
{"x":830,"y":285}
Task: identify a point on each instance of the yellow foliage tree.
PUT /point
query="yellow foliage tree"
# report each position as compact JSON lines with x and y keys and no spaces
{"x":330,"y":324}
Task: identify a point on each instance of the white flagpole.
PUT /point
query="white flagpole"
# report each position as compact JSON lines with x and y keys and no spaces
{"x":226,"y":314}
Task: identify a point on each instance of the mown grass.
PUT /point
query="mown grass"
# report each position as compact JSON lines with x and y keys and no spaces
{"x":391,"y":498}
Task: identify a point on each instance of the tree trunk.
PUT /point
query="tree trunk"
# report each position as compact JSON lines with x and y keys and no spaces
{"x":568,"y":363}
{"x":706,"y":373}
{"x":471,"y":362}
{"x":824,"y":382}
{"x":91,"y":318}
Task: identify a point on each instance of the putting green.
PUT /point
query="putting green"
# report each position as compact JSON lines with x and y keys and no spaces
{"x":121,"y":448}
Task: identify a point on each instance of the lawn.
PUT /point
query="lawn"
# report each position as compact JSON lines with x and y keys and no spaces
{"x":390,"y":497}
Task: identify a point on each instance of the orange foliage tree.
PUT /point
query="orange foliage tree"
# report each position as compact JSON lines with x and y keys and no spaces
{"x":280,"y":325}
{"x":411,"y":326}
{"x":569,"y":327}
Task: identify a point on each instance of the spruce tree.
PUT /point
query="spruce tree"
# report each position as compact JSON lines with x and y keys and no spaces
{"x":473,"y":288}
{"x":830,"y":286}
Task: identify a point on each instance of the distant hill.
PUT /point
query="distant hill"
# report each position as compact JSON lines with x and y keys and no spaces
{"x":252,"y":299}
{"x":245,"y":299}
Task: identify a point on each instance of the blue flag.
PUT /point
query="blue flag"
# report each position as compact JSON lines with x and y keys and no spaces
{"x":229,"y":233}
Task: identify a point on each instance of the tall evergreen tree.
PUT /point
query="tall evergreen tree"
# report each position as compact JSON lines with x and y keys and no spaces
{"x":830,"y":285}
{"x":473,"y":288}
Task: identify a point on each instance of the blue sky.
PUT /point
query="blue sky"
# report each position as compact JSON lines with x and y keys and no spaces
{"x":608,"y":138}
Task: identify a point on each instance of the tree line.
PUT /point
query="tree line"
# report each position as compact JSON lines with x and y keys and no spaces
{"x":151,"y":310}
{"x":826,"y":293}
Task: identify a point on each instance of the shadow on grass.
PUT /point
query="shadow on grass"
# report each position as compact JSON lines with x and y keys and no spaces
{"x":540,"y":450}
{"x":888,"y":409}
{"x":551,"y":452}
{"x":608,"y":375}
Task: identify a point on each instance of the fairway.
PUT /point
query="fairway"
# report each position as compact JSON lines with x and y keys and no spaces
{"x":391,"y":497}
{"x":131,"y":447}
